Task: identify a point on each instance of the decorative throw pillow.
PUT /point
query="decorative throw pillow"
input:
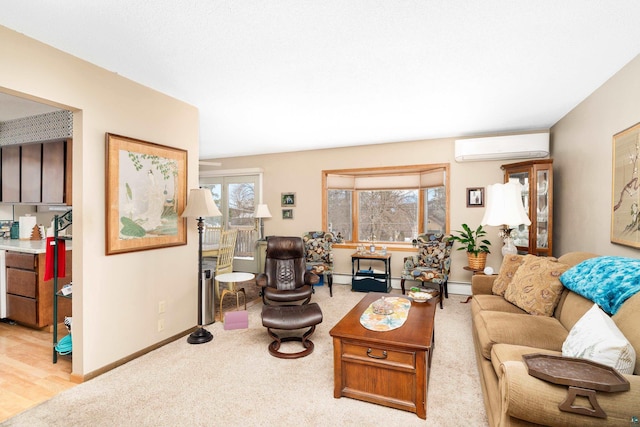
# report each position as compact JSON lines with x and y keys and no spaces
{"x":597,"y":338}
{"x":536,"y":286}
{"x":510,"y":264}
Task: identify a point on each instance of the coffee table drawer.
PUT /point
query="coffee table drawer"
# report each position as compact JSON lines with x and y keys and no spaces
{"x":379,"y":355}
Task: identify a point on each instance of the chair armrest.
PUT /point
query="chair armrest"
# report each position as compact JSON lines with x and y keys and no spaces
{"x":534,"y":400}
{"x":311,"y":278}
{"x":482,"y":284}
{"x":409,"y":264}
{"x":261,"y":280}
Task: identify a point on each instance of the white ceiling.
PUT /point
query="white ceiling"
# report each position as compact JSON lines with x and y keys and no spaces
{"x":284,"y":75}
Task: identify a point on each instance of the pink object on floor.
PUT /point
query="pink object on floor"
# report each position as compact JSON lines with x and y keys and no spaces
{"x":236,"y":320}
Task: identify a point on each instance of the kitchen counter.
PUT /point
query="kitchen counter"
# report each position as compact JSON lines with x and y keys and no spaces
{"x":27,"y":246}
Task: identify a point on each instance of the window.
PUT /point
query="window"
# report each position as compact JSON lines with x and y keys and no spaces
{"x":386,"y":204}
{"x":236,"y":197}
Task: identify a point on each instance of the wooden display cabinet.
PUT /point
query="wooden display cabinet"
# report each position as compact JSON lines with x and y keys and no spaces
{"x":536,"y":178}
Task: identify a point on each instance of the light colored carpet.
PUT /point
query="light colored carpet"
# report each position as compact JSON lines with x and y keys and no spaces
{"x":233,"y":381}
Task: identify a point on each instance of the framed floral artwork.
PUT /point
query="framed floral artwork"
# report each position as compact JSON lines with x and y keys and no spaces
{"x":625,"y":212}
{"x":146,"y":187}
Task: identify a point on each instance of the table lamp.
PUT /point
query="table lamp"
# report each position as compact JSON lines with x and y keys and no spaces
{"x":262,"y":211}
{"x":200,"y":205}
{"x":505,"y":209}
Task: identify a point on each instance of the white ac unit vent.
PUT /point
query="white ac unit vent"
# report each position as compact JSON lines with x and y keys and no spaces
{"x":527,"y":146}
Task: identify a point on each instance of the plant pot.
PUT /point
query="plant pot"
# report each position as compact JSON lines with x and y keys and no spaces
{"x":477,"y":262}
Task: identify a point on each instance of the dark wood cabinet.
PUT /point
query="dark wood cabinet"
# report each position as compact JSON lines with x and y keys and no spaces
{"x":11,"y":173}
{"x":31,"y":173}
{"x":29,"y":297}
{"x":55,"y":165}
{"x":536,"y":179}
{"x":37,"y":173}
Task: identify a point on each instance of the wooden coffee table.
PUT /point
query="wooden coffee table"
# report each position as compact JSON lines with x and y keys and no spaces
{"x":389,"y":368}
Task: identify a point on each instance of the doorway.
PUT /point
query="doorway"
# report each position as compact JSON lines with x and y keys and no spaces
{"x":235,"y":196}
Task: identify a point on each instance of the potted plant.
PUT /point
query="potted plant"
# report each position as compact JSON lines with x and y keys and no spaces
{"x":472,"y":241}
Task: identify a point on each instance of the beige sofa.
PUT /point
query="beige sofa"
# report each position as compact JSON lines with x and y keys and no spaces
{"x":503,"y":333}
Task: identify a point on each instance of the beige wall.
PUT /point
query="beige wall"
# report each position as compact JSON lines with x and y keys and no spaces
{"x":301,"y":172}
{"x":582,"y":151}
{"x":115,"y":299}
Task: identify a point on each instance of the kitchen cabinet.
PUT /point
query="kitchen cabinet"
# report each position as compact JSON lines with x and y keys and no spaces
{"x":31,"y":173}
{"x":29,"y":297}
{"x":11,"y":173}
{"x":38,"y":173}
{"x":536,"y":178}
{"x":56,"y":172}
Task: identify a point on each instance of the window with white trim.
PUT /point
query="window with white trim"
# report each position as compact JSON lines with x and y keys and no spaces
{"x":391,"y":204}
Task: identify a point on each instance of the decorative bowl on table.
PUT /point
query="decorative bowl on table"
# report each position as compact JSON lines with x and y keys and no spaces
{"x":420,"y":296}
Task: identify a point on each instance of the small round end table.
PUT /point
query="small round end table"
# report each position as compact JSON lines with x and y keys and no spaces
{"x":232,"y":279}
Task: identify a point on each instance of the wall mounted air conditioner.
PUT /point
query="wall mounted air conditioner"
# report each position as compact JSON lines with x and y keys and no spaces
{"x":527,"y":146}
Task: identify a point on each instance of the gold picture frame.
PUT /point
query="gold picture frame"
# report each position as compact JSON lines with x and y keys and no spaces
{"x":625,"y":188}
{"x":146,"y":187}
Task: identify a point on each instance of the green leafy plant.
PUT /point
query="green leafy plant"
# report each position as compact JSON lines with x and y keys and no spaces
{"x":472,"y":240}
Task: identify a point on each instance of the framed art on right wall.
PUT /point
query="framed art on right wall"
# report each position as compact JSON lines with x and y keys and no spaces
{"x":625,"y":197}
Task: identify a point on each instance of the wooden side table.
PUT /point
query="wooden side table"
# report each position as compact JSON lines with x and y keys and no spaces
{"x":368,"y":281}
{"x":474,"y":270}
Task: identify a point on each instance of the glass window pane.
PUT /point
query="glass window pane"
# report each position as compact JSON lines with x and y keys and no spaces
{"x":339,"y":212}
{"x":387,"y":215}
{"x":241,"y":204}
{"x":435,"y":210}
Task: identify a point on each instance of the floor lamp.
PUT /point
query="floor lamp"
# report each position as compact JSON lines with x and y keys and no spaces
{"x":505,"y":208}
{"x":200,"y":205}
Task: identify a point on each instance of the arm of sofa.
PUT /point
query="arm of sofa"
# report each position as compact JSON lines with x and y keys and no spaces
{"x":481,"y":284}
{"x":534,"y":400}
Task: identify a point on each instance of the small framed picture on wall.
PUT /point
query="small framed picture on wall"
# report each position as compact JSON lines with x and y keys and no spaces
{"x":287,"y":213}
{"x":475,"y":197}
{"x":288,"y":199}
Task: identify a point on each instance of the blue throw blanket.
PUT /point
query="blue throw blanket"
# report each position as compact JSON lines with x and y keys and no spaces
{"x":608,"y":281}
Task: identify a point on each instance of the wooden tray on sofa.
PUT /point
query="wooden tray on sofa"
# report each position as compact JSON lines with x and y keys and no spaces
{"x":584,"y":377}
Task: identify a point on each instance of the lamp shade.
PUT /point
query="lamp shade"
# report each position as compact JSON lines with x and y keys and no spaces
{"x":200,"y":204}
{"x":504,"y":206}
{"x":262,"y":211}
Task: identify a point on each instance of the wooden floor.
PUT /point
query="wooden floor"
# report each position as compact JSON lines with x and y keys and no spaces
{"x":27,"y":374}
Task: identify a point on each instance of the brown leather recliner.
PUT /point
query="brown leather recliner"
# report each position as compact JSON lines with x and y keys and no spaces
{"x":285,"y":279}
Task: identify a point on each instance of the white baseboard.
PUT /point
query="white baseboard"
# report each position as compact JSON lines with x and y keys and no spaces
{"x":457,"y":288}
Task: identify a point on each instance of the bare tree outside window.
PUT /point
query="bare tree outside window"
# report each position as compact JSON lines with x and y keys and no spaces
{"x":339,"y":214}
{"x":388,"y":215}
{"x":241,"y":204}
{"x":391,"y":204}
{"x":435,"y":210}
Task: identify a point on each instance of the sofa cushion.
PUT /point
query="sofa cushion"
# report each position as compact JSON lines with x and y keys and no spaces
{"x":536,"y":287}
{"x":495,"y":327}
{"x":527,"y":398}
{"x":627,"y":321}
{"x":510,"y":264}
{"x":596,"y":337}
{"x":493,"y":303}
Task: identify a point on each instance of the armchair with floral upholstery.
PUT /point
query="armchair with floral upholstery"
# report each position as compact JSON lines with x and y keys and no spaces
{"x":431,"y":264}
{"x":319,"y":255}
